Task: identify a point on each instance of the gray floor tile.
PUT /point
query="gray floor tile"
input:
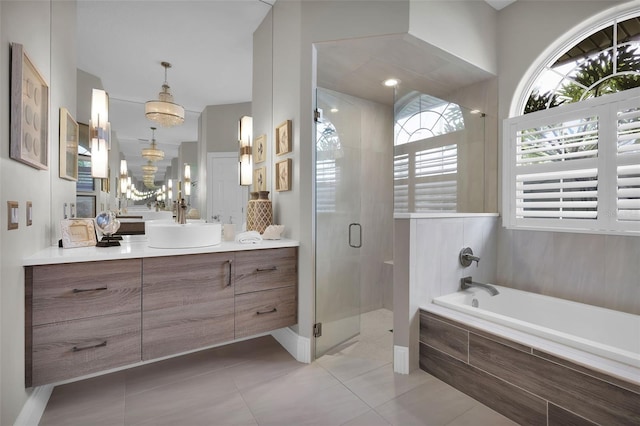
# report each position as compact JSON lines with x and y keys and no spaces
{"x":178,"y":398}
{"x":370,"y":418}
{"x":228,"y":410}
{"x":382,"y":384}
{"x":97,"y":401}
{"x":481,"y":415}
{"x":434,"y":403}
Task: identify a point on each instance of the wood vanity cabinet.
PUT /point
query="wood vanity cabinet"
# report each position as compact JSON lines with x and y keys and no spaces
{"x":188,"y":303}
{"x":81,"y":318}
{"x":266,"y":290}
{"x":88,"y":317}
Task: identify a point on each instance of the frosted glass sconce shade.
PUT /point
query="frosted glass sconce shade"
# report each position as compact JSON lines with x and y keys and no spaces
{"x":100,"y":134}
{"x":245,"y":136}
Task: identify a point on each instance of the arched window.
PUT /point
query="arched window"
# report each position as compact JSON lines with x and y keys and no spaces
{"x":425,"y":154}
{"x":605,"y":61}
{"x":423,"y":116}
{"x":571,"y":162}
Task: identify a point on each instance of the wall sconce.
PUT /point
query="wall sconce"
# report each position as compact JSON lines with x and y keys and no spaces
{"x":129,"y":187}
{"x":187,"y":179}
{"x":123,"y":177}
{"x":100,"y":134}
{"x":245,"y":136}
{"x":170,"y":190}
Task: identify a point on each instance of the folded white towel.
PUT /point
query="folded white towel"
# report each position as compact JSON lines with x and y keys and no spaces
{"x":249,"y":237}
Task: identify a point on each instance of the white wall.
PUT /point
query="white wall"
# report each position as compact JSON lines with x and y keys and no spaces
{"x":596,"y":269}
{"x":30,"y":23}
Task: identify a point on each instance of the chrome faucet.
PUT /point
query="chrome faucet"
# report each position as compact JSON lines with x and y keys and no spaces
{"x":467,"y":282}
{"x":181,"y":214}
{"x":466,"y":257}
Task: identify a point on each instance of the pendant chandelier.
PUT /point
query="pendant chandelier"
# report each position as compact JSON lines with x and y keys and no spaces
{"x":153,"y":153}
{"x":163,"y":110}
{"x":149,"y":169}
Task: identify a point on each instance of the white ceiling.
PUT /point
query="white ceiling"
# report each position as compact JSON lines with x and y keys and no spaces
{"x":209,"y":43}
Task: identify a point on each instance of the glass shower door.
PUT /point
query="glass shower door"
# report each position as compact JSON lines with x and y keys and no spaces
{"x":338,"y":231}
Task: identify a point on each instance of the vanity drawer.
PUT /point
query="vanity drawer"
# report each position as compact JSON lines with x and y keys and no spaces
{"x":81,"y":290}
{"x":267,"y":310}
{"x":266,"y":269}
{"x":75,"y":348}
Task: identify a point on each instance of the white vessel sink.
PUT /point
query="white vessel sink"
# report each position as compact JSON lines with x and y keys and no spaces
{"x":169,"y":234}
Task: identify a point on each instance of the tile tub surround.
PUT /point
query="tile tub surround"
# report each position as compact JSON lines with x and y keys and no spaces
{"x":520,"y":382}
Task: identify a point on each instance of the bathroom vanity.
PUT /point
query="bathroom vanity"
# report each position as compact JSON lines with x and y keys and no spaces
{"x":92,"y":309}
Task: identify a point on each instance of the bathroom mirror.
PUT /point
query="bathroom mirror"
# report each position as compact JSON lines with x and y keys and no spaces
{"x":209,"y":45}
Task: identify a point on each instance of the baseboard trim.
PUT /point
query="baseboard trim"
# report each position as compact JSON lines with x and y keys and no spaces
{"x":299,"y":347}
{"x":401,"y":359}
{"x":33,"y":408}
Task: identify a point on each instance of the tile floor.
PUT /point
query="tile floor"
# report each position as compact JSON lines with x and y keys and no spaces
{"x":256,"y":382}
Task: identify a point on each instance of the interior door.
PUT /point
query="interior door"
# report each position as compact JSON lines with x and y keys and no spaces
{"x":339,"y":235}
{"x":226,"y":199}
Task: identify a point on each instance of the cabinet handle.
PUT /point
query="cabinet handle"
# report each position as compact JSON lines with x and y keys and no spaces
{"x":229,"y":281}
{"x":84,"y":348}
{"x":83,"y":290}
{"x":273,"y":268}
{"x":266,"y":312}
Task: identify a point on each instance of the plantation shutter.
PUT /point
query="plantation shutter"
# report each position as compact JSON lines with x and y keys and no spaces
{"x":575,"y":167}
{"x":628,"y":165}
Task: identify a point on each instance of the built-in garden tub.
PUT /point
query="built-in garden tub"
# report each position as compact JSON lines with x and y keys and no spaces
{"x":536,"y":359}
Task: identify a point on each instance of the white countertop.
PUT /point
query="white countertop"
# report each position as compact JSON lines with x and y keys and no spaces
{"x":135,"y":246}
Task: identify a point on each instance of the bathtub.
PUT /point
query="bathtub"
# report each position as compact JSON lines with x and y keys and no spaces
{"x":612,"y":336}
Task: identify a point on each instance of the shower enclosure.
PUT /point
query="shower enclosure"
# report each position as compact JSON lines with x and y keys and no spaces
{"x":354,"y":213}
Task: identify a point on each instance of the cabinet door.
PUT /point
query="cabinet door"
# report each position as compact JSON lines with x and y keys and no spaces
{"x":266,"y":269}
{"x":188,"y":303}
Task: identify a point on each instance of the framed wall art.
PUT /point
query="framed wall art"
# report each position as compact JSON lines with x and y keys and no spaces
{"x":283,"y":175}
{"x":69,"y":136}
{"x":29,"y":111}
{"x":260,"y":179}
{"x":283,"y":138}
{"x":260,"y":149}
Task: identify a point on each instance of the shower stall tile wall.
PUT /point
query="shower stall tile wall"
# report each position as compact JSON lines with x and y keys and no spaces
{"x":526,"y":385}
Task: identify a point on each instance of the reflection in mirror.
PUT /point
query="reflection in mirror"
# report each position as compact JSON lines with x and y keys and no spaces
{"x":438,"y":156}
{"x":210,"y":47}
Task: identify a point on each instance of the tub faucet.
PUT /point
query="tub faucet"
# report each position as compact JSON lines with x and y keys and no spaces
{"x":467,"y":282}
{"x":466,"y":257}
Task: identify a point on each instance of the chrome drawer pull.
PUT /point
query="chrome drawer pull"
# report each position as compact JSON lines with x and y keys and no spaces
{"x":99,"y":345}
{"x":266,"y":312}
{"x":83,"y":290}
{"x":273,"y":268}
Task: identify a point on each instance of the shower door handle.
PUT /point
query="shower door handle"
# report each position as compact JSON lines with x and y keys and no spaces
{"x":351,"y":227}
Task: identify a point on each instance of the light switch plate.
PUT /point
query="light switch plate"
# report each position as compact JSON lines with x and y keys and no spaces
{"x":12,"y":215}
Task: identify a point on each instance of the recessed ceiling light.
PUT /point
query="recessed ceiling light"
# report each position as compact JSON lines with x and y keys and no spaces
{"x":334,"y":110}
{"x":391,"y":82}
